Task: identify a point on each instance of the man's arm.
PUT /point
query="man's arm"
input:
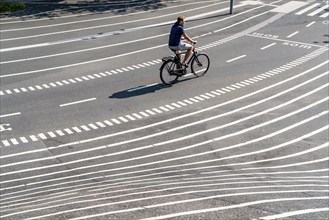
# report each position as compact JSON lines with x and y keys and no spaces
{"x":186,"y":37}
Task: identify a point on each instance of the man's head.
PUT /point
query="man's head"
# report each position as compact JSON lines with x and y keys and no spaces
{"x":181,"y":20}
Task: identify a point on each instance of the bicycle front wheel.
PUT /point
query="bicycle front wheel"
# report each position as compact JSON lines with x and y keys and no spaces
{"x":167,"y":75}
{"x":200,"y":64}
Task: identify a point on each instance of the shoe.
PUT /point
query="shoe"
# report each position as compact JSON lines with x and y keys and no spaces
{"x":185,"y":65}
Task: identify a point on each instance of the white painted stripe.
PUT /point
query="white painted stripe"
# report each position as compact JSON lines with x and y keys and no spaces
{"x":216,"y":93}
{"x":42,"y":136}
{"x":325,"y":15}
{"x":60,"y":132}
{"x":189,"y":102}
{"x":220,"y":91}
{"x":150,"y":112}
{"x":268,"y":46}
{"x":90,"y":77}
{"x":209,"y":94}
{"x":235,"y":206}
{"x":6,"y":143}
{"x":123,"y":119}
{"x":1,"y":93}
{"x":157,"y":110}
{"x":33,"y":138}
{"x":97,"y":75}
{"x":124,"y":69}
{"x":93,"y":126}
{"x":114,"y":72}
{"x":307,"y":9}
{"x":226,"y":90}
{"x":11,"y":114}
{"x":151,"y":63}
{"x":144,"y":114}
{"x":8,"y":91}
{"x":59,"y":83}
{"x":76,"y":129}
{"x":128,"y":67}
{"x":108,"y":123}
{"x":67,"y":130}
{"x":77,"y":102}
{"x":115,"y":121}
{"x":46,"y":86}
{"x":170,"y":107}
{"x":135,"y":66}
{"x":182,"y":103}
{"x":137,"y":115}
{"x":198,"y":98}
{"x":100,"y":124}
{"x":38,"y":87}
{"x":164,"y":108}
{"x":108,"y":73}
{"x":130,"y":117}
{"x":118,"y":70}
{"x":146,"y":64}
{"x":231,"y":60}
{"x":14,"y":141}
{"x":310,"y":24}
{"x":85,"y":78}
{"x":17,"y":90}
{"x":193,"y":100}
{"x":176,"y":105}
{"x":230,"y":88}
{"x":72,"y":80}
{"x":318,"y":10}
{"x":51,"y":134}
{"x":24,"y":140}
{"x":84,"y":127}
{"x":289,"y":7}
{"x":293,"y":34}
{"x":293,"y":213}
{"x":236,"y":86}
{"x":66,"y":82}
{"x":141,"y":65}
{"x":53,"y":84}
{"x":204,"y":96}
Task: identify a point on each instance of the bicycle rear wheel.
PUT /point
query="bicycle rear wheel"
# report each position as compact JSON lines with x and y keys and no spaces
{"x":167,"y":75}
{"x":200,"y":64}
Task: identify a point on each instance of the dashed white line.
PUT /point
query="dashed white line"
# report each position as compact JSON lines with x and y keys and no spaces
{"x":11,"y":114}
{"x":270,"y":45}
{"x":231,"y":60}
{"x":77,"y":102}
{"x":293,"y":34}
{"x":310,"y":24}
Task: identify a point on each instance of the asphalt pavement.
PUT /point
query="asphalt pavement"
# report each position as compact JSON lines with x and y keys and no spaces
{"x":88,"y":130}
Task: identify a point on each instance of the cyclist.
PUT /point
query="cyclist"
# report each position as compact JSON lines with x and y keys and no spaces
{"x":177,"y":34}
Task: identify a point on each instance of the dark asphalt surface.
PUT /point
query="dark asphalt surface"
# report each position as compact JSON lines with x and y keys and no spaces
{"x":88,"y":131}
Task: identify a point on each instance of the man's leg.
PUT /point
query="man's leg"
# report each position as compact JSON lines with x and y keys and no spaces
{"x":187,"y":55}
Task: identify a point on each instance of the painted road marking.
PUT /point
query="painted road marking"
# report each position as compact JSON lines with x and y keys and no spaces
{"x":231,"y":60}
{"x":227,"y":89}
{"x":318,"y":10}
{"x":289,"y":7}
{"x":307,"y":9}
{"x":11,"y":114}
{"x":310,"y":24}
{"x":77,"y":102}
{"x":268,"y":46}
{"x":293,"y":34}
{"x":159,"y":46}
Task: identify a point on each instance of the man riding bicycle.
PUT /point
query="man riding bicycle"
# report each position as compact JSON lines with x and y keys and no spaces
{"x":177,"y":33}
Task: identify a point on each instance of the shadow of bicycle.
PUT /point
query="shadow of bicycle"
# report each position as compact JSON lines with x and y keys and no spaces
{"x":145,"y":89}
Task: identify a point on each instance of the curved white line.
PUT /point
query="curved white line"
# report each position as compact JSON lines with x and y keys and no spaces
{"x":293,"y":213}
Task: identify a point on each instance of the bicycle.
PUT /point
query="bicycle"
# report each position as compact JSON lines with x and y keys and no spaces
{"x":172,"y":68}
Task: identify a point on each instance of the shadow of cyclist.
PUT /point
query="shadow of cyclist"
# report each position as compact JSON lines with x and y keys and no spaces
{"x":143,"y":90}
